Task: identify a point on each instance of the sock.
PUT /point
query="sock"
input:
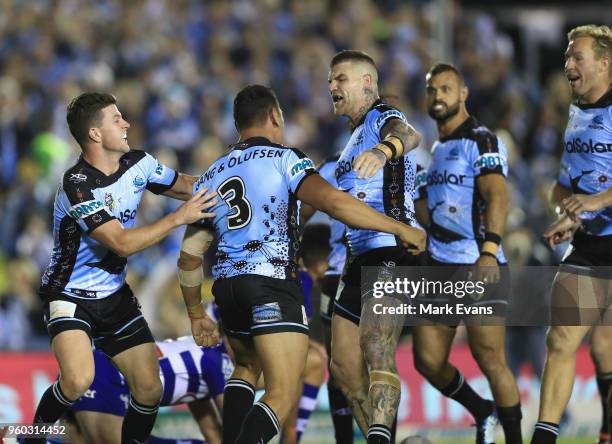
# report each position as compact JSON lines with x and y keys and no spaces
{"x":51,"y":407}
{"x":138,"y":422}
{"x":460,"y":391}
{"x":260,"y":425}
{"x":604,"y":382}
{"x":308,"y":402}
{"x":238,"y":397}
{"x":379,"y":434}
{"x":510,"y":418}
{"x":545,"y":433}
{"x":342,"y":416}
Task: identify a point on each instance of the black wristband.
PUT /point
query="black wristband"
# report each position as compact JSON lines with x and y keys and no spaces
{"x":488,"y":253}
{"x":492,"y":237}
{"x":391,"y":147}
{"x":382,"y":152}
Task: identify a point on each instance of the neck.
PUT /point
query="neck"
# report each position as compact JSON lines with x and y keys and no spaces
{"x":594,"y":94}
{"x":446,"y":127}
{"x":365,"y":106}
{"x":105,"y":161}
{"x":258,"y":132}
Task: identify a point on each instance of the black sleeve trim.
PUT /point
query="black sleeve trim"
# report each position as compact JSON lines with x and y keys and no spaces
{"x":159,"y":188}
{"x":496,"y":170}
{"x":307,"y":174}
{"x":92,"y":223}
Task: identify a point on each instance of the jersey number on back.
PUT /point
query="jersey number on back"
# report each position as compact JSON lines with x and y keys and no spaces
{"x":232,"y":192}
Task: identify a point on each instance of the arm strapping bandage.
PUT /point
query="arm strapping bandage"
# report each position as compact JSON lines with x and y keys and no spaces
{"x":191,"y":278}
{"x":195,"y":242}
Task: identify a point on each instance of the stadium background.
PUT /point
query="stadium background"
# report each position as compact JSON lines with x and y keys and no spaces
{"x":175,"y":67}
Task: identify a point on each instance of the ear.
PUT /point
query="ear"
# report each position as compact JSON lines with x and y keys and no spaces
{"x":95,"y":135}
{"x":275,"y":117}
{"x":605,"y":64}
{"x":465,"y":92}
{"x":368,"y":80}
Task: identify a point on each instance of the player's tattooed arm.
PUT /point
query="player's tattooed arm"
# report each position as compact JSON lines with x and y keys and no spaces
{"x":402,"y":135}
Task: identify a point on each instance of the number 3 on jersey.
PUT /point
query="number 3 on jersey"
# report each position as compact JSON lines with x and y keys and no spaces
{"x":232,"y":192}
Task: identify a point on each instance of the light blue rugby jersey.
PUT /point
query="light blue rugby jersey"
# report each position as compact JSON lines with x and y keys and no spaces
{"x":80,"y":266}
{"x":456,"y":208}
{"x":257,"y":216}
{"x":389,"y":191}
{"x":586,"y":163}
{"x":337,"y":242}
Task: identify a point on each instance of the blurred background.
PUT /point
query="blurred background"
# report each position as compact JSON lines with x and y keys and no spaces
{"x":175,"y":67}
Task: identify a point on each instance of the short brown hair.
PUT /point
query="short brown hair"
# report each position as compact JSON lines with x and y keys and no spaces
{"x":351,"y":55}
{"x":84,"y":112}
{"x":602,"y":40}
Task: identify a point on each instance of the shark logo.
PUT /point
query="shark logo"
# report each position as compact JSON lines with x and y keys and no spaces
{"x":597,"y":122}
{"x":453,"y":154}
{"x":576,"y":180}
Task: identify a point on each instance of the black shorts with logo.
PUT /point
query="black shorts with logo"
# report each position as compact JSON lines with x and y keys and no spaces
{"x":114,"y":323}
{"x":252,"y":304}
{"x":349,"y":297}
{"x":591,"y":252}
{"x":329,"y":287}
{"x":495,"y":298}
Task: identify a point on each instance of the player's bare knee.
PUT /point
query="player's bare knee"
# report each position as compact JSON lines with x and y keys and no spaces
{"x":74,"y":385}
{"x":345,"y":376}
{"x":490,"y":360}
{"x":378,"y":357}
{"x":561,"y":341}
{"x":428,"y":364}
{"x":147,"y":391}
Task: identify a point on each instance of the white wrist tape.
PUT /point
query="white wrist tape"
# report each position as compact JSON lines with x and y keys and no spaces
{"x":191,"y":278}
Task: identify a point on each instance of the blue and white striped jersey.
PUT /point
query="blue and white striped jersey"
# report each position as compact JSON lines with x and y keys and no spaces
{"x":389,"y":191}
{"x":455,"y":206}
{"x":190,"y":372}
{"x":337,"y":255}
{"x":80,"y":266}
{"x":586,"y":164}
{"x":257,"y":217}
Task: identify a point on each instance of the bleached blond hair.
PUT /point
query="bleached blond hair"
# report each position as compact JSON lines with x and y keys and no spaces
{"x":602,"y":40}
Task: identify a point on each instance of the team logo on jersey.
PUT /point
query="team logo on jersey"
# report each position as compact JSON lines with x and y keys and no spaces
{"x":159,"y":169}
{"x":139,"y":183}
{"x":270,"y":312}
{"x":453,"y":154}
{"x":301,"y":165}
{"x":597,"y":122}
{"x":109,"y":202}
{"x":77,"y":177}
{"x":84,"y":209}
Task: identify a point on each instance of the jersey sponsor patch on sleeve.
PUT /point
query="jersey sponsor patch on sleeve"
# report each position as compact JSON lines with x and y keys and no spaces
{"x":61,"y":309}
{"x":85,"y":209}
{"x":392,"y":113}
{"x":301,"y":165}
{"x":489,"y":161}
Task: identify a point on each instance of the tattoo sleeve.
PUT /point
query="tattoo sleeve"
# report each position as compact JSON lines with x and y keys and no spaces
{"x":404,"y":132}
